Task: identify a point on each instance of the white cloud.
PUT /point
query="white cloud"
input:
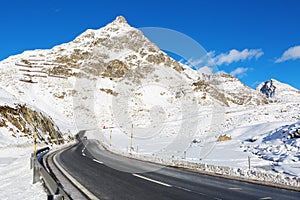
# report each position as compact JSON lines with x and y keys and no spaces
{"x":292,"y":53}
{"x":235,"y":56}
{"x":240,"y":72}
{"x":192,"y":62}
{"x":221,"y":72}
{"x":197,"y":63}
{"x":204,"y":70}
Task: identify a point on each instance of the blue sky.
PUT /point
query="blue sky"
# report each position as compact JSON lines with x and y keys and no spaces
{"x":253,"y":39}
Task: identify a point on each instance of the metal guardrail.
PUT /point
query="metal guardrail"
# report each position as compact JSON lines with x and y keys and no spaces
{"x":40,"y":173}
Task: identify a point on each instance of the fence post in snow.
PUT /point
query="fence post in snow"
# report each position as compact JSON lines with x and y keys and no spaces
{"x":131,"y":138}
{"x":110,"y":137}
{"x":249,"y":162}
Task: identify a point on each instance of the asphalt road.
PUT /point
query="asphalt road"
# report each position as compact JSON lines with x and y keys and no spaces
{"x":109,"y":176}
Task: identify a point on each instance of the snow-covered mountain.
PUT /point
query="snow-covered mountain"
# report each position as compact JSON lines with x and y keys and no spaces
{"x":52,"y":80}
{"x":279,"y":91}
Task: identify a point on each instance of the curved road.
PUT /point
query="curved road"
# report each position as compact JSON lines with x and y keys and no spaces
{"x":98,"y":175}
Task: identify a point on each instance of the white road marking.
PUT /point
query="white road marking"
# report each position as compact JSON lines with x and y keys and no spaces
{"x":152,"y":180}
{"x":233,"y":188}
{"x":265,"y":198}
{"x":97,"y":161}
{"x":182,"y":188}
{"x":83,"y":154}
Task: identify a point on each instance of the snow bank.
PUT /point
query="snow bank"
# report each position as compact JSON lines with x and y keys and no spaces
{"x":16,"y":176}
{"x":282,"y":147}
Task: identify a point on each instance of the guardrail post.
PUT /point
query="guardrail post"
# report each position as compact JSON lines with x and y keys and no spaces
{"x":55,"y":197}
{"x":36,"y":171}
{"x":32,"y":161}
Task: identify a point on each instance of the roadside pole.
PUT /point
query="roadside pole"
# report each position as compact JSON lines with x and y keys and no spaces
{"x":36,"y":174}
{"x":110,"y":137}
{"x":131,"y":138}
{"x":249,"y":162}
{"x":34,"y":144}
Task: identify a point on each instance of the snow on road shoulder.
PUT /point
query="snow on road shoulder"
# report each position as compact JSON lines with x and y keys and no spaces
{"x":16,"y":176}
{"x":234,"y":152}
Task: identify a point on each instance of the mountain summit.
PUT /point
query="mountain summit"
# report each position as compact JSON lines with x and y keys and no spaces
{"x":120,"y":19}
{"x":279,"y":91}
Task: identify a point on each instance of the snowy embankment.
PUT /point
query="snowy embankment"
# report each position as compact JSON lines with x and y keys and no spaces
{"x":16,"y":176}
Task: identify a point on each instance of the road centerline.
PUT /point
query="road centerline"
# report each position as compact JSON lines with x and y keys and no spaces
{"x":152,"y":180}
{"x":235,"y":188}
{"x":182,"y":188}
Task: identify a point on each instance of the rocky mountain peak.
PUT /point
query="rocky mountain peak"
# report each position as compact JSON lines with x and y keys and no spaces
{"x":120,"y":19}
{"x":268,"y":88}
{"x":280,"y":91}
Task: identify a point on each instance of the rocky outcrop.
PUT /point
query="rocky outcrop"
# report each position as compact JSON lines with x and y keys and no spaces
{"x":268,"y":89}
{"x":228,"y":90}
{"x":22,"y":120}
{"x":277,"y":91}
{"x":115,"y":69}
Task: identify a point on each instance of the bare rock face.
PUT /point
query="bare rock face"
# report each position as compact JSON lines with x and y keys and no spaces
{"x":23,"y":121}
{"x":115,"y":69}
{"x":268,"y":89}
